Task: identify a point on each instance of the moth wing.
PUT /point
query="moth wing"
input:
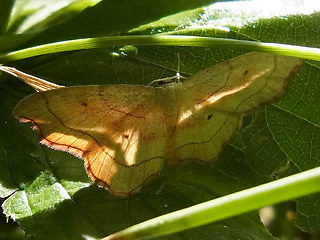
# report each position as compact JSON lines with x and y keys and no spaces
{"x":117,"y":129}
{"x":213,"y":101}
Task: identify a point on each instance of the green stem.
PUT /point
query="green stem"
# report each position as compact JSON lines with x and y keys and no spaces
{"x":162,"y":40}
{"x":291,"y":187}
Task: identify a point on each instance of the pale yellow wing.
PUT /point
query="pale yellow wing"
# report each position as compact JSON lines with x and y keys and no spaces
{"x":125,"y":132}
{"x":117,"y":129}
{"x":212,"y":102}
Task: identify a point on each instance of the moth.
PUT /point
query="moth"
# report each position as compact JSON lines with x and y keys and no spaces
{"x":126,"y":133}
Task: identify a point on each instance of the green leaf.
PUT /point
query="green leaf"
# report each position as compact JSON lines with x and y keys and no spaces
{"x":35,"y":16}
{"x":52,"y":198}
{"x":5,"y":10}
{"x":112,"y":17}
